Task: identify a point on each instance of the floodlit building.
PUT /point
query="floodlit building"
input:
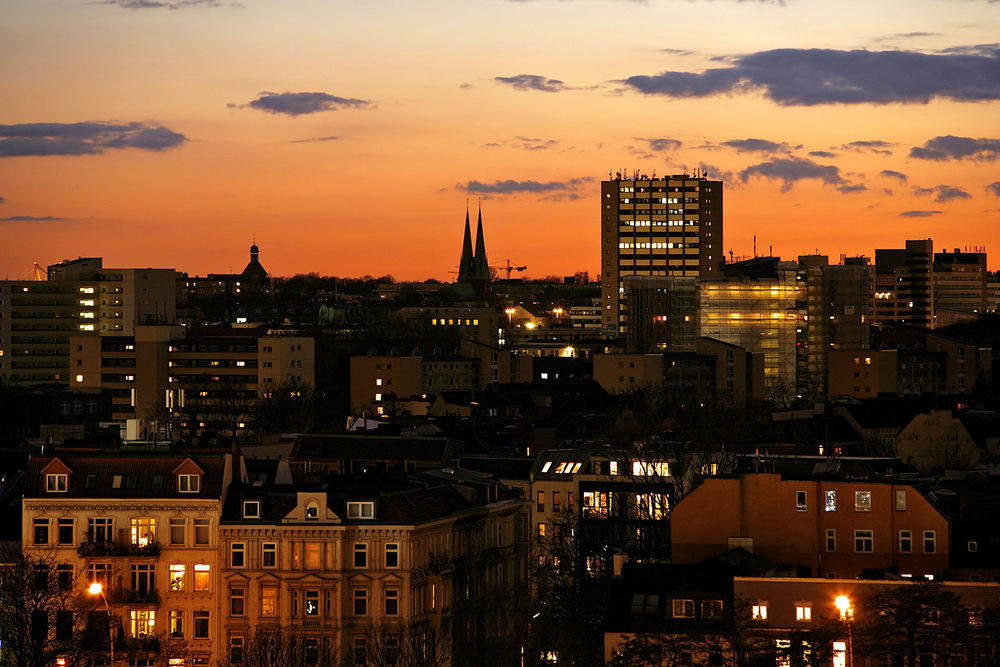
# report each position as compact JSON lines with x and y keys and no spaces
{"x":667,"y":226}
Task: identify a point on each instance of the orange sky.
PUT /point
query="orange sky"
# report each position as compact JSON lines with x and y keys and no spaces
{"x":529,"y":104}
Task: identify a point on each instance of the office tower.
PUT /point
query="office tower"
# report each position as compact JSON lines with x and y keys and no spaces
{"x":903,"y":283}
{"x":959,"y":286}
{"x":667,"y":226}
{"x":663,"y":312}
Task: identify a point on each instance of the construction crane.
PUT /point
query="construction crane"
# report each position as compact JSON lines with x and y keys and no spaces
{"x":510,"y":269}
{"x":36,"y":274}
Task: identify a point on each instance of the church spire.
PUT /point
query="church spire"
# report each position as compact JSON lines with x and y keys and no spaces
{"x":466,"y":266}
{"x":481,"y":268}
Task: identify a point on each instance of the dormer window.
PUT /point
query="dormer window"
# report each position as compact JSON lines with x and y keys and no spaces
{"x":56,"y":483}
{"x":189,"y":483}
{"x":312,"y":511}
{"x":251,"y":509}
{"x":361,"y":510}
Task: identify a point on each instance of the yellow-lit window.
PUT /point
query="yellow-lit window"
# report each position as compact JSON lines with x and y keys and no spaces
{"x":141,"y":623}
{"x":177,"y":572}
{"x":268,"y":600}
{"x":86,"y":302}
{"x":143,"y":531}
{"x":202,"y":577}
{"x":803,"y":611}
{"x":86,"y":327}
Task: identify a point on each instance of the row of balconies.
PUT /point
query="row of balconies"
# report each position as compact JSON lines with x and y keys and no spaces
{"x":117,"y":549}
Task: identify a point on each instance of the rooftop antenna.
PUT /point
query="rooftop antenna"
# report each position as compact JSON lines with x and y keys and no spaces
{"x":754,"y":245}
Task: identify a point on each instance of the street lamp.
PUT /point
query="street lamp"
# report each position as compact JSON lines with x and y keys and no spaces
{"x":843,"y":603}
{"x":97,"y":589}
{"x":510,"y":314}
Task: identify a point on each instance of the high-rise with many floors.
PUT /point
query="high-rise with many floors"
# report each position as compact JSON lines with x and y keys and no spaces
{"x":666,"y":226}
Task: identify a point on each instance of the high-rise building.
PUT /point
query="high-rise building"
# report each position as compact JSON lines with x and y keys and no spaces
{"x":959,"y":286}
{"x":667,"y":226}
{"x":903,"y":284}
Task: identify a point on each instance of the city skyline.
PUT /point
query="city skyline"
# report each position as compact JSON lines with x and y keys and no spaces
{"x":171,"y":132}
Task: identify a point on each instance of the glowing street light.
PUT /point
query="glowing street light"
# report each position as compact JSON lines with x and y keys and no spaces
{"x":843,"y":604}
{"x":97,"y":589}
{"x":510,"y":314}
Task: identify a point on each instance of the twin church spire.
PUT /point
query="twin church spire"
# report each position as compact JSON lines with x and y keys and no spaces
{"x":473,"y":266}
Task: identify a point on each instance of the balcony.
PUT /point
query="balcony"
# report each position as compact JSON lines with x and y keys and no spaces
{"x":117,"y":549}
{"x":151,"y":596}
{"x":149,"y":643}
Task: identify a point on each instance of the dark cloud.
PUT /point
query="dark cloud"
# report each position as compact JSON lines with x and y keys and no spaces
{"x":942,"y":193}
{"x":950,"y":147}
{"x":88,"y":138}
{"x":718,"y":173}
{"x":851,"y":188}
{"x":898,"y":175}
{"x":513,"y":187}
{"x":532,"y":82}
{"x":873,"y":146}
{"x":678,"y":52}
{"x":2,"y":199}
{"x":532,"y":144}
{"x":823,"y":154}
{"x":920,"y":214}
{"x":660,"y":145}
{"x":465,"y":85}
{"x":973,"y":49}
{"x":332,"y":137}
{"x":298,"y":104}
{"x":167,"y":4}
{"x":757,"y":146}
{"x":806,"y":77}
{"x":30,"y":218}
{"x":791,"y":169}
{"x":909,"y":35}
{"x":994,"y":187}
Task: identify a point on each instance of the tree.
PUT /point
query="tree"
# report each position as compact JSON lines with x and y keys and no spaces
{"x":43,"y":614}
{"x":289,"y":407}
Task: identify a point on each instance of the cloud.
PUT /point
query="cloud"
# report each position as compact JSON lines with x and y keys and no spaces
{"x":513,"y":187}
{"x":791,"y":169}
{"x":30,"y":218}
{"x":2,"y":199}
{"x":660,"y":145}
{"x":465,"y":85}
{"x":920,"y":214}
{"x":524,"y":143}
{"x":806,"y":77}
{"x":851,"y":188}
{"x":823,"y":154}
{"x":167,"y":4}
{"x":873,"y":146}
{"x":89,"y":138}
{"x":757,"y":146}
{"x":718,"y":173}
{"x":332,"y":137}
{"x":950,"y":147}
{"x":973,"y":49}
{"x":298,"y":104}
{"x":532,"y":82}
{"x":678,"y":52}
{"x":942,"y":193}
{"x":994,"y":187}
{"x":898,"y":175}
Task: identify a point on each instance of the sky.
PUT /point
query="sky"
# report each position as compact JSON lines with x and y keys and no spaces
{"x":348,"y":138}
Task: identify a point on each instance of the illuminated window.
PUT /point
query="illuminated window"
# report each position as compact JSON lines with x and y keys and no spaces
{"x":202,"y":577}
{"x":546,"y":466}
{"x":312,"y":511}
{"x":176,"y":624}
{"x":839,"y":654}
{"x":143,"y":531}
{"x":86,"y":327}
{"x":177,"y":572}
{"x":141,"y":623}
{"x":314,"y":555}
{"x":541,"y":530}
{"x":900,"y":500}
{"x":758,"y":611}
{"x":79,"y":378}
{"x":831,"y":501}
{"x":268,"y":600}
{"x":803,"y":611}
{"x":862,"y":501}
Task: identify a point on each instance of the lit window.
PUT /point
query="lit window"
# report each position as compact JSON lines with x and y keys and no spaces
{"x":546,"y":466}
{"x":312,"y":511}
{"x":86,"y":327}
{"x":177,"y":572}
{"x":141,"y":623}
{"x":312,"y":603}
{"x":831,"y":501}
{"x":803,"y":611}
{"x":202,"y":577}
{"x":268,"y":600}
{"x":143,"y":531}
{"x":862,"y":501}
{"x":177,"y":624}
{"x":79,"y":378}
{"x":900,"y":500}
{"x":314,"y":555}
{"x":759,"y":611}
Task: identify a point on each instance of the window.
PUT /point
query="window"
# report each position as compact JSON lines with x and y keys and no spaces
{"x":803,"y":611}
{"x":100,"y":573}
{"x":189,"y":483}
{"x":202,"y":577}
{"x":269,"y":554}
{"x":236,"y":650}
{"x":831,"y":539}
{"x":391,"y":602}
{"x":143,"y":578}
{"x":905,"y":541}
{"x":143,"y":531}
{"x":392,"y":555}
{"x":201,"y":624}
{"x":56,"y":483}
{"x":831,"y":501}
{"x":360,"y":651}
{"x":41,"y":579}
{"x":99,"y":530}
{"x":973,"y":546}
{"x":360,"y":555}
{"x":900,"y":500}
{"x":268,"y":600}
{"x":177,"y":572}
{"x":800,"y":501}
{"x":650,"y":468}
{"x":251,"y":509}
{"x":176,"y":624}
{"x":360,"y":602}
{"x":314,"y":555}
{"x":711,"y":608}
{"x":862,"y":501}
{"x":64,"y":534}
{"x":540,"y":501}
{"x":237,"y":601}
{"x":41,"y":531}
{"x":177,"y":529}
{"x":864,"y":541}
{"x":141,"y":623}
{"x":64,"y":577}
{"x":930,"y":541}
{"x":201,"y":532}
{"x":758,"y":611}
{"x":541,"y":530}
{"x":361,"y":510}
{"x":237,"y":554}
{"x":312,"y":511}
{"x":683,"y":608}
